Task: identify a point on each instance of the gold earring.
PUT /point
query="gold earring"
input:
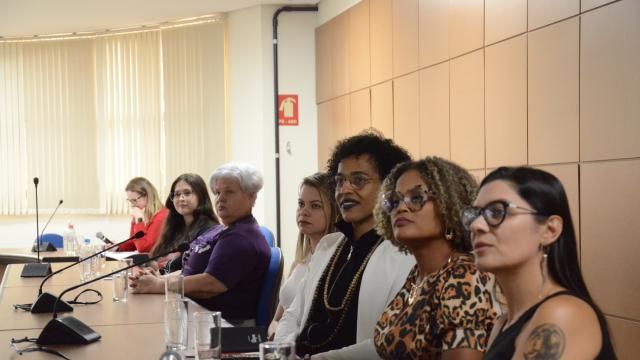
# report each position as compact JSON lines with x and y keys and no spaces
{"x":448,"y":234}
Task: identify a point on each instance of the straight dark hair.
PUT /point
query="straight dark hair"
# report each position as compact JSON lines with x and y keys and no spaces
{"x":544,"y":192}
{"x":174,"y":230}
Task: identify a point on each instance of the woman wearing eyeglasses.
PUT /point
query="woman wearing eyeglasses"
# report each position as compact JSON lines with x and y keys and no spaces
{"x":446,"y":308}
{"x":147,"y":214}
{"x":522,"y":231}
{"x":190,"y":215}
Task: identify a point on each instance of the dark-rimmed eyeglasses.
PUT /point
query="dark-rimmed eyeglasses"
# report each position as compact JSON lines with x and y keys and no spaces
{"x":357,"y":181}
{"x":175,"y":196}
{"x":134,"y":201}
{"x":414,"y":199}
{"x":493,"y":213}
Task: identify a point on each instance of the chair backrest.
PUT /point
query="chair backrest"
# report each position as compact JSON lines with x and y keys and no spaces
{"x":268,"y":235}
{"x":53,"y":239}
{"x":270,"y":287}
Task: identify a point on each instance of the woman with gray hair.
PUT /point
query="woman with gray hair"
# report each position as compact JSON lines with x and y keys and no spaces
{"x":224,"y":268}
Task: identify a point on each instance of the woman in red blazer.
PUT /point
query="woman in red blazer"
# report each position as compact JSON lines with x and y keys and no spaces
{"x":147,"y":214}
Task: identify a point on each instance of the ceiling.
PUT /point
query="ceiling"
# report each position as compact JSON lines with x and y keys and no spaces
{"x":44,"y":17}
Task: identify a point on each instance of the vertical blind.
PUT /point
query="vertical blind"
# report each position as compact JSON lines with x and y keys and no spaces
{"x":87,"y":115}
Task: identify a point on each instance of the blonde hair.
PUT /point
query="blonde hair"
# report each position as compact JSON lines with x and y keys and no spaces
{"x":145,"y":188}
{"x":321,"y":182}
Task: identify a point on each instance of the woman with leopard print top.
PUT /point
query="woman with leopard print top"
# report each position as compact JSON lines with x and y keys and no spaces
{"x":446,"y":309}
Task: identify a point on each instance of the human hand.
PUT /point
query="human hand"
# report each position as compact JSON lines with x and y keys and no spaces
{"x":146,"y":283}
{"x":271,"y":331}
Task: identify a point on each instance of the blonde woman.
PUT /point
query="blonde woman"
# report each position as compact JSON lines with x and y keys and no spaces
{"x":147,"y":214}
{"x":315,"y":216}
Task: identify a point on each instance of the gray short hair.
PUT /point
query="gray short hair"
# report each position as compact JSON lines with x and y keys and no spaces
{"x":247,"y":175}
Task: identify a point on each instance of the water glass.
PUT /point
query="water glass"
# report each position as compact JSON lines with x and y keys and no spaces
{"x":120,"y":287}
{"x":176,"y":321}
{"x":277,"y":351}
{"x":123,"y":263}
{"x":174,"y":287}
{"x":208,"y":333}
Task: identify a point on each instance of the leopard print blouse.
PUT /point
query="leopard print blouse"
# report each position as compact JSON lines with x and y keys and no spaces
{"x":454,"y":309}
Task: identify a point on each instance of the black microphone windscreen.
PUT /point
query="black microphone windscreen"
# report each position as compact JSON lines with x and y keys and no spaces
{"x":60,"y":203}
{"x":138,"y":235}
{"x":36,"y":180}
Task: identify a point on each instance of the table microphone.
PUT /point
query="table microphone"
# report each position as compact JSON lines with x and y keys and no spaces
{"x":103,"y":238}
{"x":47,"y":246}
{"x":38,"y":269}
{"x":44,"y":302}
{"x":69,"y":330}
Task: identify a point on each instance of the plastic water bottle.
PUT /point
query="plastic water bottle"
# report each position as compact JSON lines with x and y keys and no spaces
{"x":70,"y":240}
{"x":86,"y":272}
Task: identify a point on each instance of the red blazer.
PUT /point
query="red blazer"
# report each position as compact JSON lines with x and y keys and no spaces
{"x":151,"y":230}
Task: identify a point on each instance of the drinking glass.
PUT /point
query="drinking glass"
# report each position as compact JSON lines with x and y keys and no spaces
{"x":208,"y":332}
{"x":174,"y":287}
{"x":277,"y":351}
{"x":176,"y":321}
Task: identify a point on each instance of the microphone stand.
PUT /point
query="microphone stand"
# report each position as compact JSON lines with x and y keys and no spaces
{"x":45,"y":301}
{"x":38,"y":269}
{"x":69,"y":330}
{"x":47,"y":246}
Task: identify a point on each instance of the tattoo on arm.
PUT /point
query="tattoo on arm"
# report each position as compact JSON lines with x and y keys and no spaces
{"x":546,"y":342}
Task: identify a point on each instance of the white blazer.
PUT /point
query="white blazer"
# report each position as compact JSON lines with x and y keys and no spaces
{"x":383,"y":277}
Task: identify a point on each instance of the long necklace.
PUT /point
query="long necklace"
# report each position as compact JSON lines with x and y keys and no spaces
{"x":419,"y":285}
{"x":354,"y":282}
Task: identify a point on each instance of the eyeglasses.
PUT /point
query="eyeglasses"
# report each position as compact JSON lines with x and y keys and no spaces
{"x":177,"y":195}
{"x":414,"y":200}
{"x":357,"y":181}
{"x":493,"y":213}
{"x":134,"y":201}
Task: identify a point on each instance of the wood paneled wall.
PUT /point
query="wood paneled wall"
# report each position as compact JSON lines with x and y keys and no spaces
{"x":485,"y":83}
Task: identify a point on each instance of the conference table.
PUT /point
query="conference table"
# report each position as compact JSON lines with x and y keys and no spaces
{"x":131,"y":330}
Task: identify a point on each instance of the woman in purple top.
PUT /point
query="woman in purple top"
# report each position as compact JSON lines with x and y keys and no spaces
{"x":225,"y":267}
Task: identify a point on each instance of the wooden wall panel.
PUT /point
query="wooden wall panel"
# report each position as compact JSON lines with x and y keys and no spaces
{"x":323,"y":62}
{"x":610,"y":82}
{"x":609,"y":198}
{"x":433,"y":30}
{"x":434,"y":111}
{"x":406,"y":126}
{"x":466,"y":24}
{"x":553,"y":93}
{"x":381,"y":31}
{"x":360,"y":108}
{"x":467,"y":110}
{"x":405,"y":37}
{"x":359,"y":48}
{"x":382,"y":108}
{"x":504,"y":19}
{"x":340,"y":55}
{"x":625,"y":335}
{"x":506,"y":102}
{"x":544,"y":12}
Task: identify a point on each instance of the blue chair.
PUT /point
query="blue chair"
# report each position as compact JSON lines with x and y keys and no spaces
{"x":268,"y":235}
{"x":268,"y":299}
{"x":51,"y":238}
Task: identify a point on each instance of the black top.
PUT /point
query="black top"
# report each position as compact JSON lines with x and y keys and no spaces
{"x":328,"y":329}
{"x":503,"y":347}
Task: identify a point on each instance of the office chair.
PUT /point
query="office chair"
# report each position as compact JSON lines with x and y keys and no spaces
{"x":268,"y":299}
{"x":268,"y":235}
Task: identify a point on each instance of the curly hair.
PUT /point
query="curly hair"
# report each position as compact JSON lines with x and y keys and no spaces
{"x":454,"y":187}
{"x":384,"y":152}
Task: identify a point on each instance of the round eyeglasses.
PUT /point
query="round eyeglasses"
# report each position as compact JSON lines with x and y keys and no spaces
{"x":414,"y":199}
{"x":493,"y":213}
{"x":357,"y":181}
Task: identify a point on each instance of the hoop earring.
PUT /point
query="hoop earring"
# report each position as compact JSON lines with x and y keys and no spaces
{"x":448,"y":234}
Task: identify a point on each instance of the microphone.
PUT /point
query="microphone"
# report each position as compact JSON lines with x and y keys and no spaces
{"x":44,"y":302}
{"x":103,"y":238}
{"x":69,"y":330}
{"x":47,"y":246}
{"x":38,"y":269}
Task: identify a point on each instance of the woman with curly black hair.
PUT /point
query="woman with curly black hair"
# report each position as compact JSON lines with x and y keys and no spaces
{"x":353,"y":273}
{"x":446,"y":308}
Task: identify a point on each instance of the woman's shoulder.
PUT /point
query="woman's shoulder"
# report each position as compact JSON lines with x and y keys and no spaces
{"x":566,"y":326}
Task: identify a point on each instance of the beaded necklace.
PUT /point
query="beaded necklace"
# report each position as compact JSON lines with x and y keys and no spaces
{"x":346,"y":301}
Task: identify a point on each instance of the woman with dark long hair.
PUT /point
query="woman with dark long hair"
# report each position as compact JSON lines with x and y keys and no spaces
{"x":190,"y":215}
{"x":521,"y":230}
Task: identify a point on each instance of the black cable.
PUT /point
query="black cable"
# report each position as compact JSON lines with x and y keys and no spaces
{"x":34,"y":347}
{"x":27,"y":307}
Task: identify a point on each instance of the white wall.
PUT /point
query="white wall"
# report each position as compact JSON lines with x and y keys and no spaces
{"x":328,"y":9}
{"x":251,"y":110}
